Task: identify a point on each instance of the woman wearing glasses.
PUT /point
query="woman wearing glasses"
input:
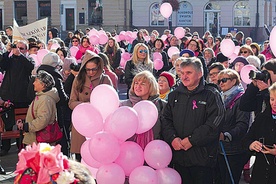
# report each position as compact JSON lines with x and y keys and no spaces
{"x":261,"y":140}
{"x":246,"y":51}
{"x":234,"y":128}
{"x":90,"y":75}
{"x":139,"y":62}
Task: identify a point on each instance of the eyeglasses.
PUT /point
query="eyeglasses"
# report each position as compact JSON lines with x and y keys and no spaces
{"x":243,"y":52}
{"x":213,"y":74}
{"x":21,"y":48}
{"x":217,"y":40}
{"x":75,"y":41}
{"x":91,"y":69}
{"x":141,"y":51}
{"x":223,"y":80}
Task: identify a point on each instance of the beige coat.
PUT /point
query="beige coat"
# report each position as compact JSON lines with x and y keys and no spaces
{"x":44,"y":109}
{"x":77,"y":98}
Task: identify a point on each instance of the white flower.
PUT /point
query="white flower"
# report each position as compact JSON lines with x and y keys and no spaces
{"x":65,"y":177}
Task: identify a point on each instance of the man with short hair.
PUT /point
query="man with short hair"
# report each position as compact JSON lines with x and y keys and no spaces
{"x":9,"y":32}
{"x":190,"y":124}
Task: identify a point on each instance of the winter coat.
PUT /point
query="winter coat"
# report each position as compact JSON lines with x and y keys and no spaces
{"x":18,"y":71}
{"x":77,"y":97}
{"x":197,"y":115}
{"x":236,"y":123}
{"x":44,"y":109}
{"x":264,"y":126}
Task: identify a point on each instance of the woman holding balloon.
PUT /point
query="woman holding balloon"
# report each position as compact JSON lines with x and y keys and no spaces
{"x":158,"y":48}
{"x":90,"y":75}
{"x":85,"y":45}
{"x":145,"y":87}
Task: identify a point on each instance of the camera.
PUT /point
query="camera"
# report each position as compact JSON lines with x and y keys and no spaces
{"x":259,"y":75}
{"x":75,"y":67}
{"x":13,"y":45}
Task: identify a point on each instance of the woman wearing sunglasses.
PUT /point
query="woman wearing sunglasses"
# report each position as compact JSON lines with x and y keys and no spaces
{"x":246,"y":51}
{"x":234,"y":128}
{"x":139,"y":62}
{"x":91,"y":74}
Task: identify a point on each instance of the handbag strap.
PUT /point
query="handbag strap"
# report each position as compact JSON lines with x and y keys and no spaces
{"x":33,"y":110}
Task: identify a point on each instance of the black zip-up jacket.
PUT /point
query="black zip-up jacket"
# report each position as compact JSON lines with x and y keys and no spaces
{"x":197,"y":115}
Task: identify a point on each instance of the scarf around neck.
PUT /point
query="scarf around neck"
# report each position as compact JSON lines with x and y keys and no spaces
{"x":230,"y":95}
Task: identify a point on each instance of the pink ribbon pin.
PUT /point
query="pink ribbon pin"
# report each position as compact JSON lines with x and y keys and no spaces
{"x":194,"y":105}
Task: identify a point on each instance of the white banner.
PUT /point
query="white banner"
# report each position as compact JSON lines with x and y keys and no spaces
{"x":37,"y":28}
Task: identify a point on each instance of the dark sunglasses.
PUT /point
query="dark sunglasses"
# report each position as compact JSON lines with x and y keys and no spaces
{"x":217,"y":40}
{"x":21,"y":48}
{"x":243,"y":52}
{"x":75,"y":41}
{"x":223,"y":80}
{"x":141,"y":51}
{"x":91,"y":69}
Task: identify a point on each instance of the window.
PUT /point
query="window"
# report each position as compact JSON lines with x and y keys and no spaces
{"x":44,"y":10}
{"x":185,"y":14}
{"x":241,"y":14}
{"x":95,"y":12}
{"x":20,"y":10}
{"x":156,"y":19}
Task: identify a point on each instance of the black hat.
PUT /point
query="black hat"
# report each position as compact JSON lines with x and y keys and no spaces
{"x":221,"y":58}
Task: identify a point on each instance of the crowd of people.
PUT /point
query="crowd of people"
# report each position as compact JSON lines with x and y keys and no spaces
{"x":213,"y":120}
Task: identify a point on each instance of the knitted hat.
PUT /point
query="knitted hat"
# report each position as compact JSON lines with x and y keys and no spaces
{"x":240,"y":59}
{"x":188,"y":51}
{"x":52,"y":59}
{"x":46,"y":78}
{"x":221,"y":58}
{"x":170,"y":77}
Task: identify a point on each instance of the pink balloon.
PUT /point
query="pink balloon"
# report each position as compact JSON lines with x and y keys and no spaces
{"x":104,"y":147}
{"x":41,"y":53}
{"x":94,"y":39}
{"x":123,"y":123}
{"x":1,"y":76}
{"x":168,"y":175}
{"x":134,"y":35}
{"x":237,"y":50}
{"x":122,"y":35}
{"x":87,"y":119}
{"x":55,"y":46}
{"x":105,"y":99}
{"x":157,"y":55}
{"x":126,"y":56}
{"x":164,"y":37}
{"x":227,"y":47}
{"x":34,"y":56}
{"x":93,"y":32}
{"x":272,"y":39}
{"x":117,"y":38}
{"x":131,"y":156}
{"x":143,"y":175}
{"x":122,"y":50}
{"x":74,"y":50}
{"x":87,"y":157}
{"x":92,"y":170}
{"x":166,"y":10}
{"x":147,"y":38}
{"x":158,"y":154}
{"x":123,"y":62}
{"x":179,"y":32}
{"x":232,"y":57}
{"x":172,"y":50}
{"x":101,"y":32}
{"x":146,"y":122}
{"x":245,"y":73}
{"x":103,"y":39}
{"x":111,"y":173}
{"x":158,"y":64}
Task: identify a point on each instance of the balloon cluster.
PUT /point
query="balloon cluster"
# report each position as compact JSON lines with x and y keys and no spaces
{"x":106,"y":151}
{"x":228,"y":48}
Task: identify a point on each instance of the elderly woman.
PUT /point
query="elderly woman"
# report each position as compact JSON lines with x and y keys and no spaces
{"x":145,"y":87}
{"x":42,"y":110}
{"x":166,"y":81}
{"x":209,"y":56}
{"x":234,"y":128}
{"x":91,"y":74}
{"x":260,"y":140}
{"x":140,"y":61}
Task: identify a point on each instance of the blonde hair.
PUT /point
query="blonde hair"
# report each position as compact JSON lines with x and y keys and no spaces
{"x":272,"y":88}
{"x":135,"y":54}
{"x":232,"y":75}
{"x":147,"y":77}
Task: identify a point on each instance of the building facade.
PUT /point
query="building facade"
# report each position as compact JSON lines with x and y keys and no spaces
{"x":217,"y":16}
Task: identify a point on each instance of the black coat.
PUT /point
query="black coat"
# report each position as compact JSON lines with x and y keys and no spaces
{"x":263,"y":127}
{"x":201,"y":124}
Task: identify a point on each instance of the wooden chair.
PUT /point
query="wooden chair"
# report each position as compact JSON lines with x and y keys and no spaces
{"x":20,"y":113}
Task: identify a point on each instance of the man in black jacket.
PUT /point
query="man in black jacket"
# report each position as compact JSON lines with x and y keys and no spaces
{"x":190,"y":124}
